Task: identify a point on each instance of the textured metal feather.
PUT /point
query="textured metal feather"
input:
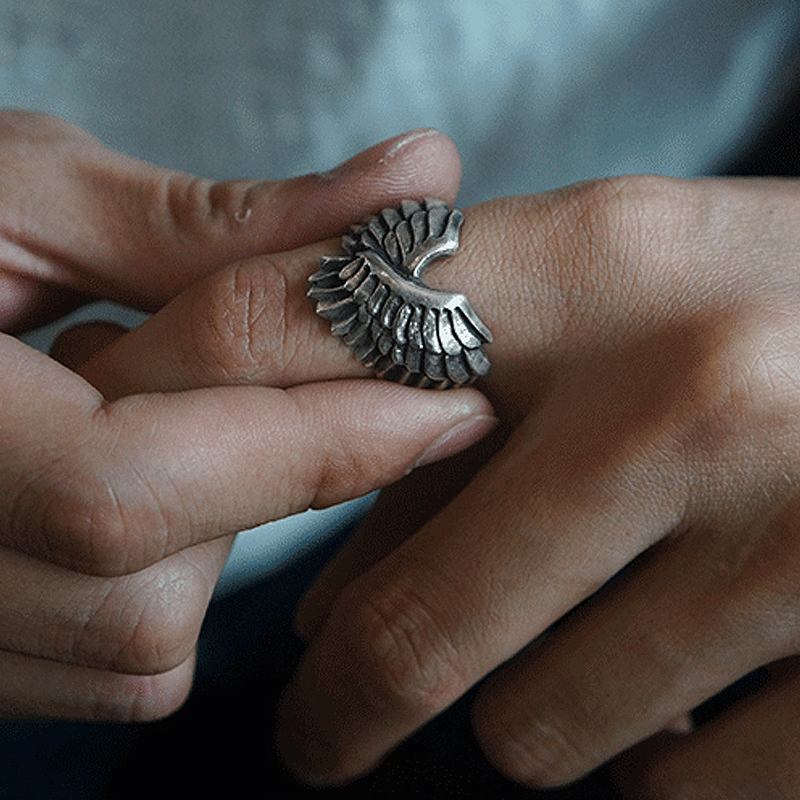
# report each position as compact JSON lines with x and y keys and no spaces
{"x":376,"y":301}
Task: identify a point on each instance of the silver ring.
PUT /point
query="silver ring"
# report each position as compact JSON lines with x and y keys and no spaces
{"x":375,"y":299}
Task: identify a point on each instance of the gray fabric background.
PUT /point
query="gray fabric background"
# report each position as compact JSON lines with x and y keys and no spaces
{"x":536,"y":93}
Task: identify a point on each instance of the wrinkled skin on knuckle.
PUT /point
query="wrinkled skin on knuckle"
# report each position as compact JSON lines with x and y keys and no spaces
{"x":146,"y":624}
{"x":28,"y":137}
{"x":168,"y":611}
{"x":92,"y":514}
{"x":200,"y":211}
{"x":588,"y":251}
{"x":72,"y":519}
{"x":337,"y":475}
{"x":138,"y":698}
{"x":411,"y":666}
{"x":238,"y":328}
{"x":19,"y":124}
{"x":89,"y":534}
{"x":740,"y":431}
{"x":340,"y":471}
{"x":544,"y":752}
{"x":206,"y":215}
{"x":717,"y":343}
{"x":623,"y":232}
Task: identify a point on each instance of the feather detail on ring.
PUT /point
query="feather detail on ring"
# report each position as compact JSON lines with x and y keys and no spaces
{"x":375,"y":299}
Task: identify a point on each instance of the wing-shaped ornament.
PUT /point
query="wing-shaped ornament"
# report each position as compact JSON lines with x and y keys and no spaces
{"x":376,"y":301}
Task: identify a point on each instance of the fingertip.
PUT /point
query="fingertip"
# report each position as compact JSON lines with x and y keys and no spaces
{"x":453,"y":420}
{"x":419,"y":147}
{"x":423,"y":163}
{"x":457,"y":438}
{"x":418,"y":164}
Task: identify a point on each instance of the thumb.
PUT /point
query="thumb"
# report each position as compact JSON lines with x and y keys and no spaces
{"x":121,"y":485}
{"x":80,"y":217}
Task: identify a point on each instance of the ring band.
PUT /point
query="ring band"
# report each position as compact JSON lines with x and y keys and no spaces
{"x":375,"y":299}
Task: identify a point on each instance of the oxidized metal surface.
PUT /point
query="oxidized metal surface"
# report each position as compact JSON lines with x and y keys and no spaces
{"x":375,"y":299}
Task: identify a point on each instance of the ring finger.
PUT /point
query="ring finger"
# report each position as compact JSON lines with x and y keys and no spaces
{"x":687,"y":619}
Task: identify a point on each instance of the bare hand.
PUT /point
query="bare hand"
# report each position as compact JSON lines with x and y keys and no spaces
{"x":643,"y":495}
{"x":125,"y":472}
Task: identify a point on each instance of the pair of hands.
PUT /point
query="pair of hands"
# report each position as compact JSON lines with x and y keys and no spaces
{"x":645,"y":378}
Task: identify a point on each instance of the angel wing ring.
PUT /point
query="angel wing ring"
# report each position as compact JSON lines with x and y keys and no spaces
{"x":375,"y":299}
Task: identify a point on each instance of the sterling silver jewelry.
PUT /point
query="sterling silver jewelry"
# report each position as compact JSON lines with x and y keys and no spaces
{"x":375,"y":299}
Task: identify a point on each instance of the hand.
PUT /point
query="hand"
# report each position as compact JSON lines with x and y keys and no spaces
{"x":643,"y":495}
{"x":124,"y":472}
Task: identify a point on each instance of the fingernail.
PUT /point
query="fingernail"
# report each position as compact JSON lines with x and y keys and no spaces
{"x":379,"y":154}
{"x":458,"y":438}
{"x":402,"y":142}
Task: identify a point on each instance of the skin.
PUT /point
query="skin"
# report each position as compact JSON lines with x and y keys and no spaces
{"x":641,"y":492}
{"x":123,"y":478}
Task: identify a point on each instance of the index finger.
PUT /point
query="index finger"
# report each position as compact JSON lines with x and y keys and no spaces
{"x":248,"y":323}
{"x":252,"y":322}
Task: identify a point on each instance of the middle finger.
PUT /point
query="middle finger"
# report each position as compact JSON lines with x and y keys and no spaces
{"x":486,"y":576}
{"x":144,"y":623}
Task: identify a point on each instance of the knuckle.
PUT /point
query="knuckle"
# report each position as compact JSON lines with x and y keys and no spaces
{"x":542,"y":753}
{"x":740,"y":396}
{"x":237,"y":329}
{"x":71,"y":520}
{"x":414,"y":669}
{"x":599,"y":234}
{"x":33,"y":126}
{"x":145,"y":625}
{"x":201,"y":211}
{"x":341,"y":472}
{"x":138,"y":698}
{"x":87,"y":532}
{"x":612,"y":215}
{"x":100,"y":530}
{"x":93,"y":515}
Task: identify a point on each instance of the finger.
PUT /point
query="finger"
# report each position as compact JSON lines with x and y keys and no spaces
{"x":400,"y":511}
{"x":26,"y":302}
{"x":82,"y":217}
{"x":752,"y":752}
{"x":127,"y":483}
{"x":691,"y":617}
{"x":252,"y":322}
{"x":145,"y":623}
{"x":33,"y":688}
{"x":248,"y":323}
{"x":76,"y":345}
{"x":482,"y":579}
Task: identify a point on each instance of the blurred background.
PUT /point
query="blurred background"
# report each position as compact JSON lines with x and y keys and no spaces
{"x":536,"y":94}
